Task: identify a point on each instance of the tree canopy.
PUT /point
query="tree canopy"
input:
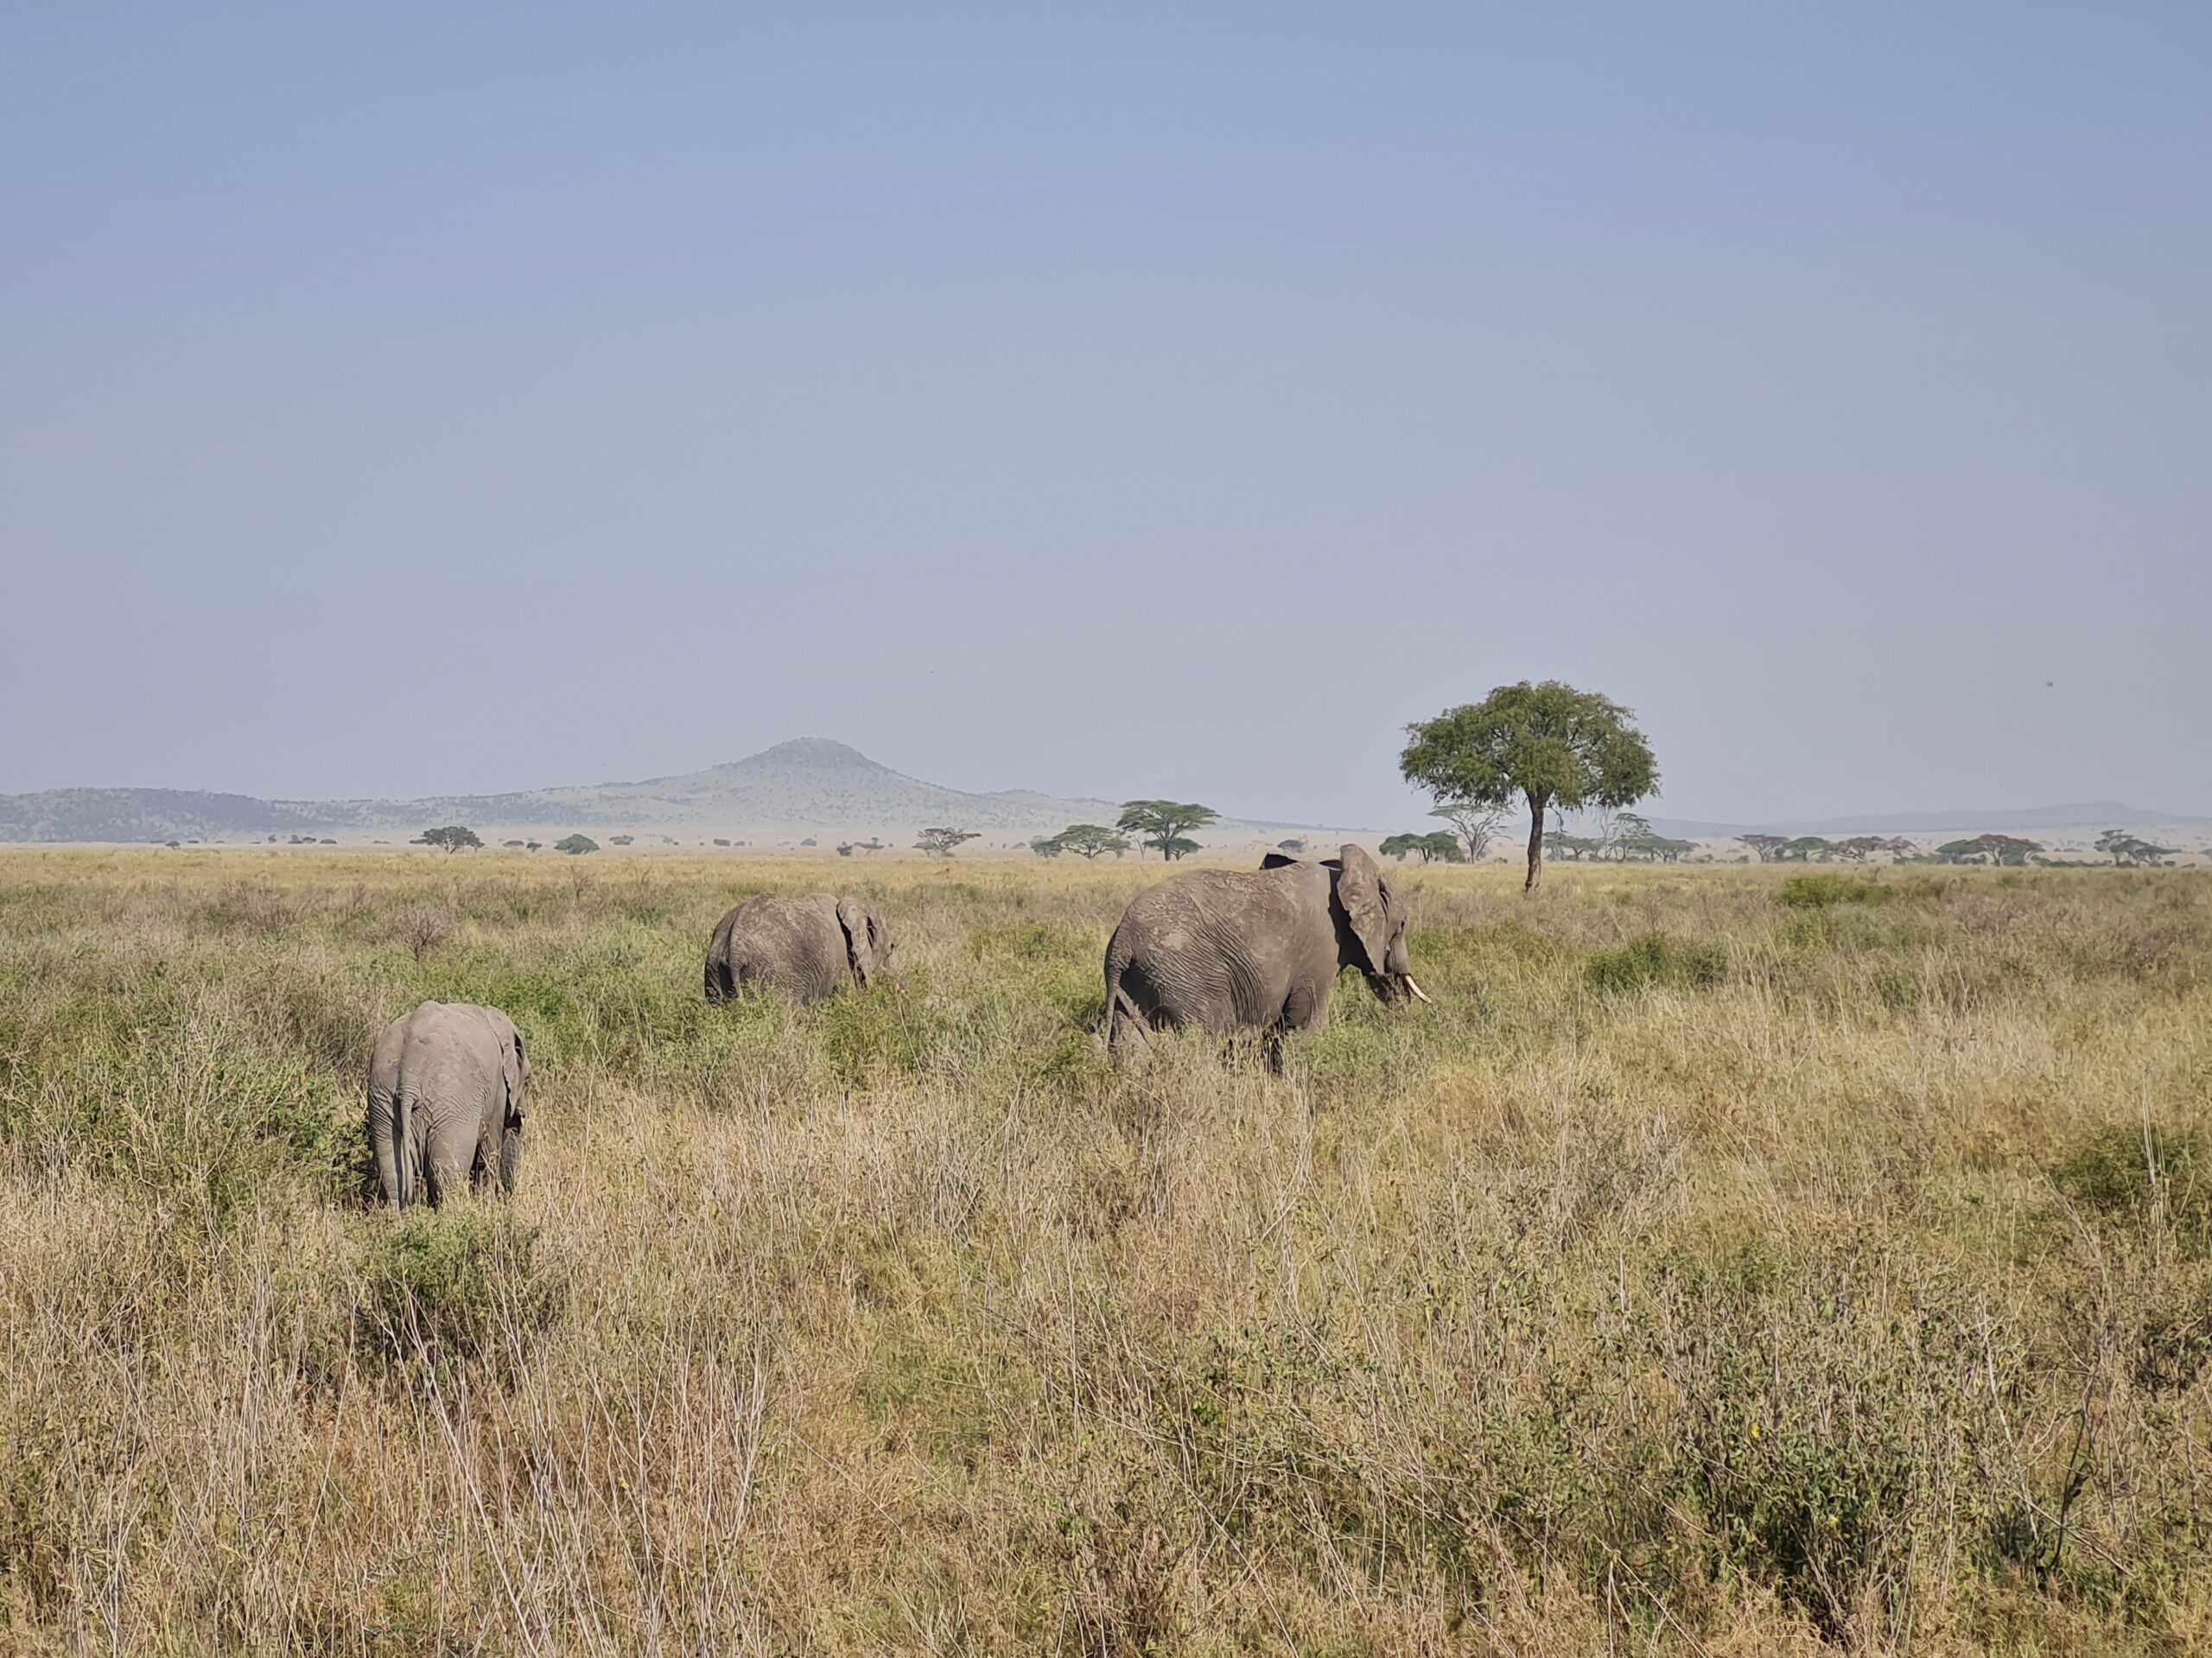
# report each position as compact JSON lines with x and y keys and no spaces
{"x":1435,"y":845}
{"x":1550,"y":744}
{"x":1086,"y":841}
{"x":2007,"y":849}
{"x":452,"y":837}
{"x":1475,"y":821}
{"x":2124,"y":848}
{"x":575,"y":844}
{"x":1160,"y":824}
{"x":940,"y":843}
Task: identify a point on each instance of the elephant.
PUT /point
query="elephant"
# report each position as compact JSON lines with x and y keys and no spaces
{"x":448,"y":1085}
{"x":807,"y":947}
{"x":1229,"y":951}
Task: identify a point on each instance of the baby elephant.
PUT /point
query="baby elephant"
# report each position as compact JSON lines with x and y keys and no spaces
{"x":446,"y":1089}
{"x":805,"y":947}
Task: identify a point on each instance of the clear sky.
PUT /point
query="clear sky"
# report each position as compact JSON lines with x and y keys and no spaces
{"x":1163,"y":400}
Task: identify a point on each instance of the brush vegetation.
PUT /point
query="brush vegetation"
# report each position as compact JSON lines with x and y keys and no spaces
{"x":1723,"y":1263}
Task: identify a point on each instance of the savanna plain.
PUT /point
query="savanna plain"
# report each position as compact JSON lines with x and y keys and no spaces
{"x":1728,"y":1261}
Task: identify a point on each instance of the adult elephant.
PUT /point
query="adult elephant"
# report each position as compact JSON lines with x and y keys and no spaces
{"x":1229,"y":950}
{"x":807,"y":947}
{"x":446,"y":1089}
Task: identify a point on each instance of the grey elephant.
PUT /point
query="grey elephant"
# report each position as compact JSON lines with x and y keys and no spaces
{"x":807,"y":947}
{"x":1228,"y":951}
{"x":448,"y":1085}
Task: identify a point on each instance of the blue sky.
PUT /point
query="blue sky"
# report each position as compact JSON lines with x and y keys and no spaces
{"x":1133,"y":400}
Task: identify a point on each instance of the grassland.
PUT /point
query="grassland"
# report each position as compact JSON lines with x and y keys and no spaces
{"x":1718,"y":1266}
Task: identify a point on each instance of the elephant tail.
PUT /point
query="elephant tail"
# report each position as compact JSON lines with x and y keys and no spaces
{"x":403,"y":1146}
{"x":1124,"y":1021}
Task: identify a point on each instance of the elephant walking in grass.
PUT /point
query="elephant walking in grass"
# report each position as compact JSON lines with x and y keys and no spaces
{"x":807,"y":947}
{"x":1227,"y":951}
{"x":447,"y":1088}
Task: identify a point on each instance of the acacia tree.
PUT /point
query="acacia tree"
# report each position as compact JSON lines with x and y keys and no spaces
{"x":1088,"y":840}
{"x":1160,"y":824}
{"x":452,"y":837}
{"x":1475,"y":821}
{"x":1550,"y":744}
{"x":1763,"y":847}
{"x":940,"y":843}
{"x":1437,"y":846}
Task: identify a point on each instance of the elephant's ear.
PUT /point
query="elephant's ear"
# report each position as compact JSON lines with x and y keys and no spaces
{"x":1359,"y":895}
{"x":514,"y":1066}
{"x":852,"y":915}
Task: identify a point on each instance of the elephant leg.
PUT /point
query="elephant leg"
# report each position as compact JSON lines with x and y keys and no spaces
{"x":383,"y":1144}
{"x":510,"y":1155}
{"x":449,"y":1152}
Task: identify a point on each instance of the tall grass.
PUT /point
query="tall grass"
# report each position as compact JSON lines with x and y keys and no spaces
{"x":1716,"y":1267}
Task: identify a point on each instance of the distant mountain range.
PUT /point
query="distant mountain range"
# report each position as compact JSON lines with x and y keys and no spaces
{"x":810,"y":787}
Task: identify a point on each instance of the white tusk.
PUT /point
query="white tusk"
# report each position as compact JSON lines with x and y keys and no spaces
{"x":1416,"y":989}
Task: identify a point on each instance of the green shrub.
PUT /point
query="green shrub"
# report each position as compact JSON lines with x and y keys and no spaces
{"x":456,"y":1286}
{"x":2110,"y":1173}
{"x":1657,"y":958}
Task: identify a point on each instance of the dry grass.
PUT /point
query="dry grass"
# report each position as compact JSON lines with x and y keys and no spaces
{"x":1703,"y":1273}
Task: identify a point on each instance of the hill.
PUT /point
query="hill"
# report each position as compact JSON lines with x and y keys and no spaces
{"x":809,"y":787}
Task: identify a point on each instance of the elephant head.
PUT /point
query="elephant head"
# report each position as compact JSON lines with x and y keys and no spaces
{"x":868,"y":945}
{"x":1371,"y":921}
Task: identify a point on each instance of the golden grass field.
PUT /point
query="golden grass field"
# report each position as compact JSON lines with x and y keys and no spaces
{"x":1703,"y":1273}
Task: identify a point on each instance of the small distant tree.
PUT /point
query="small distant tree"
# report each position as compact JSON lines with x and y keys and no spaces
{"x":1763,"y":847}
{"x":620,"y":840}
{"x":2124,"y":848}
{"x":533,"y":845}
{"x":1800,"y":849}
{"x":1476,"y":822}
{"x":718,"y":840}
{"x":1089,"y":841}
{"x":844,"y":849}
{"x":1436,"y":846}
{"x":1858,"y":847}
{"x":1293,"y":845}
{"x":1550,"y":744}
{"x":575,"y":846}
{"x":2007,"y":849}
{"x":1575,"y":847}
{"x":510,"y":844}
{"x":452,"y":837}
{"x":940,"y":843}
{"x":1047,"y":846}
{"x":1160,"y":824}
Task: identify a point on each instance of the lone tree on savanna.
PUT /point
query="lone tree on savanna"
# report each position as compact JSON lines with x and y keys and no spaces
{"x":940,"y":843}
{"x":1550,"y":744}
{"x":575,"y":845}
{"x":1088,"y":841}
{"x":452,"y":837}
{"x":1160,"y":824}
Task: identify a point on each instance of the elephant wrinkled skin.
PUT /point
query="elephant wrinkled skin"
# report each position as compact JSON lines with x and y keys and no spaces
{"x":447,"y":1088}
{"x":807,"y":947}
{"x":1228,"y":951}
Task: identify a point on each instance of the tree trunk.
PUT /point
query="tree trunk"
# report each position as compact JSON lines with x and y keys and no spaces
{"x":1536,"y":844}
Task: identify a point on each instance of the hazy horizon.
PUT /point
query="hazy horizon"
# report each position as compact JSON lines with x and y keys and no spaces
{"x":1145,"y":404}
